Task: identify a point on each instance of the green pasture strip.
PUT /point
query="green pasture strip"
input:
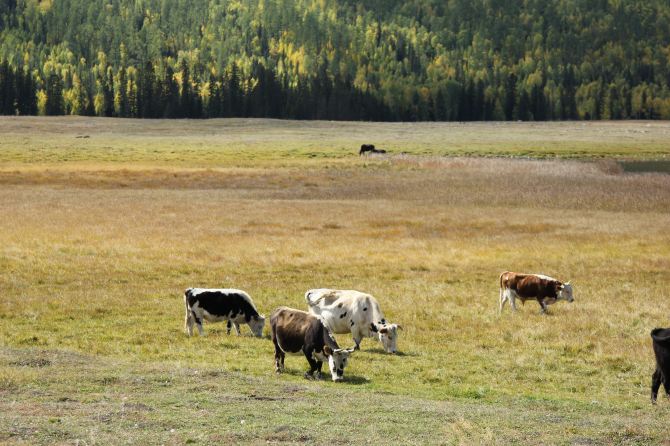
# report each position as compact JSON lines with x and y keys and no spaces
{"x":264,"y":142}
{"x":59,"y":396}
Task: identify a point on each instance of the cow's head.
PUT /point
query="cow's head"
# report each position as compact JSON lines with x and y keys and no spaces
{"x":337,"y":361}
{"x":388,"y":336}
{"x":256,"y":323}
{"x":565,"y":292}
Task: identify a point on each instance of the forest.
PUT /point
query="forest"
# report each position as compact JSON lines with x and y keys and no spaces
{"x":381,"y":60}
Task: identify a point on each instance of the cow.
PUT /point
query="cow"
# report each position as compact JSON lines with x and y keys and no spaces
{"x":661,"y":342}
{"x":546,"y":290}
{"x":221,"y":304}
{"x":294,"y":331}
{"x":369,"y":148}
{"x":350,"y":311}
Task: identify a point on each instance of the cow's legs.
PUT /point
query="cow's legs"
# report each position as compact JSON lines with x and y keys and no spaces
{"x":314,"y":365}
{"x":198,"y":324}
{"x":357,"y":341}
{"x":512,"y":300}
{"x":656,"y":379}
{"x":543,"y":306}
{"x":502,"y":300}
{"x":237,"y":328}
{"x":229,"y":325}
{"x":279,"y":355}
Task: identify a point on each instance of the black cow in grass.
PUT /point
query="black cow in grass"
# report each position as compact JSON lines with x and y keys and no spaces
{"x":661,"y":342}
{"x":370,"y":148}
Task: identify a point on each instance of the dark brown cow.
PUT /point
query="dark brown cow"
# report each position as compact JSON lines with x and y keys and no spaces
{"x":546,"y":290}
{"x":661,"y":341}
{"x":370,"y":148}
{"x":294,"y":331}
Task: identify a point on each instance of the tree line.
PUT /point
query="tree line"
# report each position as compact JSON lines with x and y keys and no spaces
{"x":409,"y":60}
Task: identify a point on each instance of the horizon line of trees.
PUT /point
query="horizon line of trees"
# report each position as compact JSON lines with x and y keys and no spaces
{"x":144,"y":92}
{"x":409,"y":60}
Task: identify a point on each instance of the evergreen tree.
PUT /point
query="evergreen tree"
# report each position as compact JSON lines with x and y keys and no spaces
{"x":54,"y":92}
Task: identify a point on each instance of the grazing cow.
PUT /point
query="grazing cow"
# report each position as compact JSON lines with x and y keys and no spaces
{"x":661,"y":341}
{"x":369,"y":148}
{"x":347,"y":311}
{"x":544,"y":289}
{"x":215,"y":305}
{"x":294,"y":331}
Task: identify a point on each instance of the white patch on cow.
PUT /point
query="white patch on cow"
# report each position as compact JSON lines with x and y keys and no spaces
{"x":337,"y":362}
{"x":507,"y":294}
{"x":198,"y":313}
{"x":565,"y":293}
{"x":256,"y":325}
{"x":388,"y":336}
{"x":542,"y":276}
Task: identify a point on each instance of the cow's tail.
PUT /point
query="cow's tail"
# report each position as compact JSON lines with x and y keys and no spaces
{"x":500,"y":279}
{"x":500,"y":296}
{"x":188,"y":319}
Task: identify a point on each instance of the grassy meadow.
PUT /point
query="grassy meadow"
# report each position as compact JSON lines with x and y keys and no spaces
{"x":106,"y":222}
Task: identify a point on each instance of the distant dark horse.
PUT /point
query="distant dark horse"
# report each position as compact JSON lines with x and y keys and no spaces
{"x":370,"y":148}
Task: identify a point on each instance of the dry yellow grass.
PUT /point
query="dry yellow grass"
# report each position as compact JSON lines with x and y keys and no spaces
{"x":95,"y":256}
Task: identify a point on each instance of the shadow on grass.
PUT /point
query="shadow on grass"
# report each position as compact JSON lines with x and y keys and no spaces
{"x":381,"y":351}
{"x":325,"y":376}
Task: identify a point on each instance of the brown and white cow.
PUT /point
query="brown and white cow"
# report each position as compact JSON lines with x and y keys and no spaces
{"x":347,"y":311}
{"x":546,"y":290}
{"x":295,"y":331}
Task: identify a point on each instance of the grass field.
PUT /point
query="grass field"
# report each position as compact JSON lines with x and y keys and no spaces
{"x":101,"y":234}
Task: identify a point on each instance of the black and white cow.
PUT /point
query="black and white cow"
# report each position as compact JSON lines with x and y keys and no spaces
{"x":295,"y":331}
{"x":347,"y":311}
{"x":221,"y":304}
{"x":661,"y":341}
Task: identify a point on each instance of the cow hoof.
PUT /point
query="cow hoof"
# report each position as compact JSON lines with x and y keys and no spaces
{"x":308,"y":375}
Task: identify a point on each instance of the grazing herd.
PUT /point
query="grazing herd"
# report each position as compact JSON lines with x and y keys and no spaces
{"x":295,"y":331}
{"x":349,"y":311}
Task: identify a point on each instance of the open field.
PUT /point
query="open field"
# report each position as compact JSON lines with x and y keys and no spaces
{"x":101,"y":235}
{"x":265,"y":142}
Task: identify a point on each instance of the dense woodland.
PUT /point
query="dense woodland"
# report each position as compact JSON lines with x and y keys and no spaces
{"x":326,"y":59}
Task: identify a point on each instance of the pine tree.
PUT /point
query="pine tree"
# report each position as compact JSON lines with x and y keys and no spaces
{"x":54,"y":92}
{"x":186,"y":93}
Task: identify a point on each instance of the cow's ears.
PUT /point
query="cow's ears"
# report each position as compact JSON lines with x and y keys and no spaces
{"x":350,"y":350}
{"x":327,"y":350}
{"x":567,"y":283}
{"x":373,"y":327}
{"x":399,"y":326}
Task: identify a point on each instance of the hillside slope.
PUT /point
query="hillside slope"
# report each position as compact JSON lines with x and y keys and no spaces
{"x":384,"y":60}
